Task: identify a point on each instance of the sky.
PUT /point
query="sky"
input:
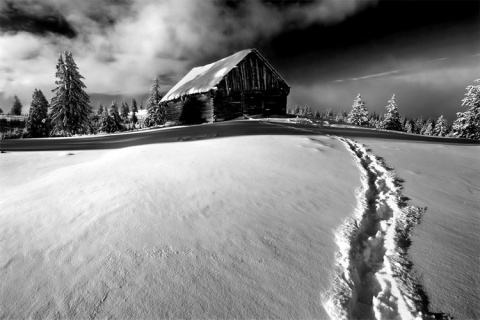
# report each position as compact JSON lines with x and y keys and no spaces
{"x":424,"y":51}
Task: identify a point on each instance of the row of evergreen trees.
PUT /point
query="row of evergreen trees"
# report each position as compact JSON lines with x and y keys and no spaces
{"x":69,"y":111}
{"x":467,"y":124}
{"x":16,"y":109}
{"x":112,"y":119}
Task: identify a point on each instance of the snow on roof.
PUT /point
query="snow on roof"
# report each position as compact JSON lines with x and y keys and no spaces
{"x":203,"y":79}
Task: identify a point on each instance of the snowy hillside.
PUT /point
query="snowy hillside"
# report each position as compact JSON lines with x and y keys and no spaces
{"x":236,"y":227}
{"x":257,"y":226}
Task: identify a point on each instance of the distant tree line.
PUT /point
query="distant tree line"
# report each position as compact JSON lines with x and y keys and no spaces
{"x":467,"y":124}
{"x":69,"y":112}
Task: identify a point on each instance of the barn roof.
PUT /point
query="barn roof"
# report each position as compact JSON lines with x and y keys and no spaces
{"x":203,"y":79}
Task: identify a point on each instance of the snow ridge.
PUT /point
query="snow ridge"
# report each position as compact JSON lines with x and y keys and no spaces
{"x":373,"y":275}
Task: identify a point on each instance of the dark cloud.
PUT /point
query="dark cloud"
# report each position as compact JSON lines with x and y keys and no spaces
{"x":166,"y":79}
{"x":40,"y":20}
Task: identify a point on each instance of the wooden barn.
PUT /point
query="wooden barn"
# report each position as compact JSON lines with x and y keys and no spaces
{"x":241,"y":84}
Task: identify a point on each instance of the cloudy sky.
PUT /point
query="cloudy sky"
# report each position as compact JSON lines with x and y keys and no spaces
{"x":426,"y":52}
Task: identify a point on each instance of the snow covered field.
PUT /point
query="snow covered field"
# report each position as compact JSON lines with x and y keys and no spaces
{"x":235,"y":227}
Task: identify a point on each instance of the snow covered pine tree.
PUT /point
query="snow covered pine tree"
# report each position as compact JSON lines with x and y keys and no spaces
{"x":441,"y":129}
{"x":37,"y":123}
{"x":70,"y":103}
{"x":359,"y":113}
{"x":110,"y":120}
{"x":156,"y":114}
{"x":134,"y":118}
{"x":17,"y":107}
{"x":125,"y":111}
{"x":391,"y":120}
{"x":467,"y":124}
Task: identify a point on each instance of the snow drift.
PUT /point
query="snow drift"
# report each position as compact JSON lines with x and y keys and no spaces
{"x":228,"y":227}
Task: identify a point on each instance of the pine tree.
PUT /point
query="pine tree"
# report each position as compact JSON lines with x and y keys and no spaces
{"x":379,"y":122}
{"x":156,"y":113}
{"x":317,"y":114}
{"x":359,"y":114}
{"x":297,"y":110}
{"x":134,"y":118}
{"x":140,"y":105}
{"x":104,"y":120}
{"x":428,"y":128}
{"x":17,"y":107}
{"x":308,"y":112}
{"x":111,"y":121}
{"x":339,"y":117}
{"x":403,"y":122}
{"x":419,"y":124}
{"x":391,"y":120}
{"x":37,"y":123}
{"x":1,"y":111}
{"x":95,"y":118}
{"x":125,"y":111}
{"x":100,"y":109}
{"x":441,"y":129}
{"x":410,"y":126}
{"x":70,"y":103}
{"x":303,"y":111}
{"x":467,"y":124}
{"x":329,"y":113}
{"x":115,"y":123}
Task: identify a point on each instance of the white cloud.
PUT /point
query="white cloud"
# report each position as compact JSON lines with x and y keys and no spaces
{"x":121,"y":46}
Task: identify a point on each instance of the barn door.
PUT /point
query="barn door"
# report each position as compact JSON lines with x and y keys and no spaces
{"x":253,"y":103}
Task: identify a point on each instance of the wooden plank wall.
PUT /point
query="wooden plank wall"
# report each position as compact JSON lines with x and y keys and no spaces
{"x":275,"y":104}
{"x":250,"y":103}
{"x":252,"y":74}
{"x":174,"y":109}
{"x":227,"y":107}
{"x":204,"y":101}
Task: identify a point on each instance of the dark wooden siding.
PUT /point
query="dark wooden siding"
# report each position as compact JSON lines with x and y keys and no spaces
{"x":252,"y":74}
{"x":250,"y":103}
{"x":176,"y":110}
{"x":227,"y":107}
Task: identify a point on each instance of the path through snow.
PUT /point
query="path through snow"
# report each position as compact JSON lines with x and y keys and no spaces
{"x":373,"y":274}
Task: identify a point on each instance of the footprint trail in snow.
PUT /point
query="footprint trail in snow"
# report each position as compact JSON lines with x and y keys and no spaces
{"x":373,"y":275}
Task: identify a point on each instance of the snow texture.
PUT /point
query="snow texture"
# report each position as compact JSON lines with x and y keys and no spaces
{"x":444,"y":179}
{"x":373,"y":273}
{"x":239,"y":227}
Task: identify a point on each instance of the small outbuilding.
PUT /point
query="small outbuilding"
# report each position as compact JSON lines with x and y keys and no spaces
{"x":241,"y":84}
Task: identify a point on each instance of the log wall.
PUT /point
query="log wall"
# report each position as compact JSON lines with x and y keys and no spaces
{"x":227,"y":107}
{"x":252,"y":74}
{"x":177,"y":108}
